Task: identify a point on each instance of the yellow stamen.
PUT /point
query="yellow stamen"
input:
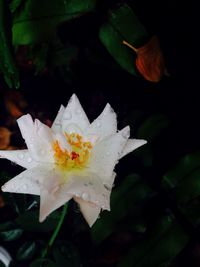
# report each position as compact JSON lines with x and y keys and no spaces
{"x":77,"y":157}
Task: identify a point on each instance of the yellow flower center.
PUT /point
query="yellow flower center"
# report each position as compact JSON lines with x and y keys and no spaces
{"x":77,"y":157}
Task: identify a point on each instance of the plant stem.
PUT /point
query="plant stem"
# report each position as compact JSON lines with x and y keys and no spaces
{"x":56,"y":231}
{"x":130,"y":46}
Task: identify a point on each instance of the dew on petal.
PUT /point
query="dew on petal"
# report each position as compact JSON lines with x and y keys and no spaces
{"x":24,"y":187}
{"x":29,"y":159}
{"x":73,"y":128}
{"x":78,"y":111}
{"x":41,"y":151}
{"x":21,"y":156}
{"x":98,"y":124}
{"x":85,"y":196}
{"x":67,"y":115}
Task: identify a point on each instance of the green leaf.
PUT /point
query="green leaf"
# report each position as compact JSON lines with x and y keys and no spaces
{"x":66,"y":254}
{"x":153,"y":126}
{"x":11,"y":234}
{"x":15,"y":4}
{"x":165,"y":241}
{"x":26,"y":251}
{"x":38,"y":20}
{"x":7,"y":226}
{"x":7,"y":62}
{"x":185,"y":166}
{"x":122,"y":25}
{"x":29,"y":221}
{"x":43,"y":263}
{"x":124,"y":200}
{"x":188,"y":188}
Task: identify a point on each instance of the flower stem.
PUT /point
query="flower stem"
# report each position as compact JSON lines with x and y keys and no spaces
{"x":56,"y":231}
{"x":130,"y":46}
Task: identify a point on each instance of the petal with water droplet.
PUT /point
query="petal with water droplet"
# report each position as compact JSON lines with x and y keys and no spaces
{"x":19,"y":157}
{"x":103,"y":164}
{"x":75,"y":114}
{"x":37,"y":137}
{"x":131,"y":145}
{"x":90,"y":211}
{"x":56,"y":126}
{"x":105,"y":125}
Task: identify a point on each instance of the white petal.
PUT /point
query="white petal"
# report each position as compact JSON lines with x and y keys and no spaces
{"x":27,"y":182}
{"x":37,"y":137}
{"x":131,"y":145}
{"x":50,"y":202}
{"x":74,"y":115}
{"x":89,"y":187}
{"x":20,"y":157}
{"x":105,"y":154}
{"x":89,"y":210}
{"x":56,"y":126}
{"x":105,"y":125}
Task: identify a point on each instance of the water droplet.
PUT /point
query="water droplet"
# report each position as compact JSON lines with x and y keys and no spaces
{"x":98,"y":124}
{"x":78,"y":111}
{"x":107,"y":153}
{"x":73,"y":128}
{"x":77,"y":195}
{"x":29,"y":159}
{"x":67,"y":115}
{"x":24,"y":187}
{"x":85,"y":196}
{"x":21,"y":156}
{"x":31,"y":145}
{"x":41,"y":151}
{"x":125,"y":134}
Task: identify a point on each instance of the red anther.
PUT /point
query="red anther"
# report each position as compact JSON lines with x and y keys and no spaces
{"x":74,"y":155}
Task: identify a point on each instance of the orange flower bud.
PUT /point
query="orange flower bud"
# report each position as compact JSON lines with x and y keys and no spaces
{"x":4,"y":137}
{"x":150,"y":61}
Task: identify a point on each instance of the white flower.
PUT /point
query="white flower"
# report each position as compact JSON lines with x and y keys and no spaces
{"x":72,"y":159}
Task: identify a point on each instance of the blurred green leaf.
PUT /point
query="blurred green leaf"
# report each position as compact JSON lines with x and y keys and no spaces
{"x":38,"y":20}
{"x":7,"y":226}
{"x":7,"y":62}
{"x":43,"y":263}
{"x":15,"y":4}
{"x":11,"y":234}
{"x":26,"y":251}
{"x":29,"y":221}
{"x":122,"y":25}
{"x":153,"y":126}
{"x":124,"y":200}
{"x":184,"y":167}
{"x":165,"y":241}
{"x":188,"y":188}
{"x":66,"y":254}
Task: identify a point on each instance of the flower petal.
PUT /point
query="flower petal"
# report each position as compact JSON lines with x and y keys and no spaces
{"x":131,"y":145}
{"x":56,"y":126}
{"x":27,"y":182}
{"x":37,"y":137}
{"x":74,"y":115}
{"x":20,"y":157}
{"x":105,"y":154}
{"x":89,"y":188}
{"x":105,"y":125}
{"x":50,"y":202}
{"x":89,"y":210}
